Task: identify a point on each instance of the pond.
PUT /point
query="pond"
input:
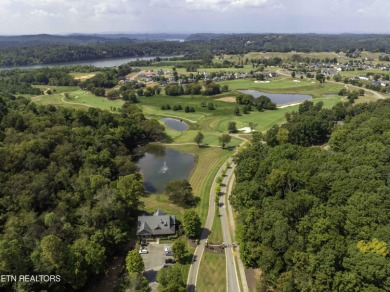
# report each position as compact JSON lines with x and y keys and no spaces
{"x":160,"y":168}
{"x":175,"y":124}
{"x":279,"y":98}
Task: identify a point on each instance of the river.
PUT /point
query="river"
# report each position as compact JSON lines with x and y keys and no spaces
{"x":97,"y":63}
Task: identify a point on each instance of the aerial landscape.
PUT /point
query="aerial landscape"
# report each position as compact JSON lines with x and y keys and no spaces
{"x":221,"y":145}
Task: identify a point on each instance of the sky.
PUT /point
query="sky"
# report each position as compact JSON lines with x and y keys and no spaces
{"x":192,"y":16}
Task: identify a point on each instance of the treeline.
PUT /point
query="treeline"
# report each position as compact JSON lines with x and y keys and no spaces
{"x":198,"y":46}
{"x":22,"y":81}
{"x":317,"y":218}
{"x":260,"y":103}
{"x":70,"y":190}
{"x":20,"y":56}
{"x":241,"y":43}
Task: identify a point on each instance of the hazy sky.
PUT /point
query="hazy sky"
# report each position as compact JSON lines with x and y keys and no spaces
{"x":290,"y":16}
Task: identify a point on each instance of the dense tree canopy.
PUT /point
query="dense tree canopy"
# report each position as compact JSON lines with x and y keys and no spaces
{"x":316,"y":219}
{"x":69,"y":189}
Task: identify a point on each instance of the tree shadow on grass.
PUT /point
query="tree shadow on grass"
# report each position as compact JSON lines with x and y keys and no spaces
{"x":205,"y":233}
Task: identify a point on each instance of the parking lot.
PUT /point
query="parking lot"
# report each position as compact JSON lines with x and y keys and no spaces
{"x":154,"y":261}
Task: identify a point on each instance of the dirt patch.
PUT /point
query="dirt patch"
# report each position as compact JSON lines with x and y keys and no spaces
{"x":85,"y":77}
{"x":227,"y":99}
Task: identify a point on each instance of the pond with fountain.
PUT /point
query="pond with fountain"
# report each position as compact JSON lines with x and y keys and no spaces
{"x":158,"y":168}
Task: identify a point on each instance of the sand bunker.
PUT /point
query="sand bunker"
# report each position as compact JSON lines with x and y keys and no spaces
{"x":246,"y":130}
{"x":227,"y":99}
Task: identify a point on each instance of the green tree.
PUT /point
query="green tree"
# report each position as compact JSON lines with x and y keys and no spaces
{"x":224,"y":139}
{"x":191,"y":223}
{"x":210,"y":106}
{"x":232,"y":128}
{"x":50,"y":256}
{"x":180,"y":192}
{"x":130,"y":190}
{"x":236,"y":111}
{"x":179,"y":249}
{"x":171,"y":280}
{"x":134,"y":262}
{"x":282,"y":135}
{"x":199,"y":138}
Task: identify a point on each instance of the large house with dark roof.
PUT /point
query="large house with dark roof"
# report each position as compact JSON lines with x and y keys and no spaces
{"x":158,"y":224}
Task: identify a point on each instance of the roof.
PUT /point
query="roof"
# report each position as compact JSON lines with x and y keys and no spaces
{"x":158,"y":224}
{"x":158,"y":213}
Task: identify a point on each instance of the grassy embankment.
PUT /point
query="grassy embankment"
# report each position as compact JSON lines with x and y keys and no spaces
{"x":212,"y":276}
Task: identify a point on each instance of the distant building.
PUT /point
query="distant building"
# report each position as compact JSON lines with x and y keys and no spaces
{"x":158,"y":224}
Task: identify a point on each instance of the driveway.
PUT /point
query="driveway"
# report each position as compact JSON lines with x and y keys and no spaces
{"x":154,"y":261}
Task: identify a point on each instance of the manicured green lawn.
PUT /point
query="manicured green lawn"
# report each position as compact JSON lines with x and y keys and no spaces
{"x":57,"y":89}
{"x":212,"y":276}
{"x":216,"y":236}
{"x":153,"y":202}
{"x":87,"y":98}
{"x":304,"y":86}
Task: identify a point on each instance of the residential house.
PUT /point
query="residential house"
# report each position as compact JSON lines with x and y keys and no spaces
{"x":158,"y":224}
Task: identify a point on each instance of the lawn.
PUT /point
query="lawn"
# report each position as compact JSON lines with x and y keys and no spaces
{"x":78,"y":99}
{"x":152,"y":202}
{"x":362,"y":72}
{"x":212,"y":276}
{"x":87,"y":98}
{"x":216,"y":235}
{"x":310,"y":87}
{"x":267,"y":119}
{"x":57,"y":89}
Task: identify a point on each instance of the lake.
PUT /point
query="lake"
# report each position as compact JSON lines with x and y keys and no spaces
{"x":175,"y":124}
{"x":97,"y":63}
{"x":158,"y":170}
{"x":278,"y":98}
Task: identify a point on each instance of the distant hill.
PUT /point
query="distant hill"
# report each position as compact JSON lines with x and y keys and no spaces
{"x":85,"y":39}
{"x":297,"y":42}
{"x":147,"y":36}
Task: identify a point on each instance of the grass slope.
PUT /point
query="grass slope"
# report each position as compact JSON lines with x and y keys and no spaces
{"x":212,"y":276}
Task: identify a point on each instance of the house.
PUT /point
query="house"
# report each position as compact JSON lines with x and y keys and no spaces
{"x":328,"y":71}
{"x":158,"y":224}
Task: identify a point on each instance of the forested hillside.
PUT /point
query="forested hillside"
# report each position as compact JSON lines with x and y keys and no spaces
{"x":46,"y":49}
{"x":316,"y":218}
{"x":70,"y":189}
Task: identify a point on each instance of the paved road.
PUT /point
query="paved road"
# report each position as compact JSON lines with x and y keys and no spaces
{"x":241,"y":267}
{"x":193,"y":273}
{"x":232,"y":282}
